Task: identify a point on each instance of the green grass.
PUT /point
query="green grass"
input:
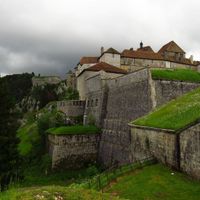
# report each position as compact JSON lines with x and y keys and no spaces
{"x":176,"y":74}
{"x":73,"y":130}
{"x":53,"y":193}
{"x":101,"y":180}
{"x":155,"y":182}
{"x":34,"y":176}
{"x":174,"y":115}
{"x":28,"y":134}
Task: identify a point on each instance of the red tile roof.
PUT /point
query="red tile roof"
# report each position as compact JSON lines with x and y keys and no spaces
{"x":147,"y":48}
{"x":171,"y":47}
{"x":141,"y":54}
{"x":153,"y":56}
{"x":88,"y":60}
{"x":105,"y":67}
{"x":111,"y":50}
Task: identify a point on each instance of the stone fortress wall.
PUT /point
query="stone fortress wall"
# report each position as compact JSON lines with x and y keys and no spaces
{"x":71,"y":108}
{"x":113,"y":103}
{"x":73,"y":151}
{"x":159,"y":143}
{"x":190,"y":151}
{"x":43,"y":80}
{"x":118,"y":101}
{"x":127,"y":99}
{"x":133,"y":64}
{"x":180,"y":150}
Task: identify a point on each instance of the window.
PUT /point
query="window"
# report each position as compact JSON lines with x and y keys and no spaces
{"x":96,"y":102}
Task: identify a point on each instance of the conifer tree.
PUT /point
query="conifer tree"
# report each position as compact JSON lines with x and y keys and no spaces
{"x":8,"y":140}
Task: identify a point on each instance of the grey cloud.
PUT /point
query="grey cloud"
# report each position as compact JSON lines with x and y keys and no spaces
{"x":49,"y":37}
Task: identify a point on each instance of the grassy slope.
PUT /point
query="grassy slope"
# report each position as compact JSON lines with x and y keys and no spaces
{"x":154,"y":183}
{"x":27,"y":135}
{"x":176,"y":114}
{"x":70,"y":130}
{"x":176,"y":74}
{"x":53,"y":193}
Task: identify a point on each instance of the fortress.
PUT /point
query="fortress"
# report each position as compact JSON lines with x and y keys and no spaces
{"x":118,"y":88}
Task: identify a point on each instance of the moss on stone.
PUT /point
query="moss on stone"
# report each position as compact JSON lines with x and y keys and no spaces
{"x":73,"y":130}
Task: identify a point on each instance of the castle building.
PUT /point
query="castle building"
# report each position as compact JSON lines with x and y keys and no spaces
{"x":171,"y":56}
{"x":106,"y":70}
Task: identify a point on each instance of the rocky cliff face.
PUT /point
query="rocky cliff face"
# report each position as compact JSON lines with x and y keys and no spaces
{"x":39,"y":96}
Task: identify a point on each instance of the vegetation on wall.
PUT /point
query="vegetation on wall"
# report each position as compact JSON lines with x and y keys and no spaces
{"x":32,"y":135}
{"x":73,"y":130}
{"x":174,"y":115}
{"x":176,"y":74}
{"x":70,"y":94}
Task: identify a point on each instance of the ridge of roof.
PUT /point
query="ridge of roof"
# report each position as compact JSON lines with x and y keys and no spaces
{"x":88,"y":60}
{"x":111,"y":50}
{"x":146,"y":48}
{"x":171,"y":47}
{"x":154,"y":56}
{"x":105,"y":67}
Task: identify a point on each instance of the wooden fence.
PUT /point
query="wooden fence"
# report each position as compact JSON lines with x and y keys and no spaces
{"x":102,"y":180}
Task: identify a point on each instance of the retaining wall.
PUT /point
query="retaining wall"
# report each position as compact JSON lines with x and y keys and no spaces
{"x":159,"y":143}
{"x":71,"y":108}
{"x":168,"y":90}
{"x":73,"y":151}
{"x":190,"y":151}
{"x":128,"y":98}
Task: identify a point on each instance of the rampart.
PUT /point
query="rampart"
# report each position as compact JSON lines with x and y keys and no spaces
{"x":128,"y":98}
{"x":71,"y":108}
{"x":43,"y":80}
{"x":180,"y":150}
{"x":73,"y":151}
{"x":116,"y":102}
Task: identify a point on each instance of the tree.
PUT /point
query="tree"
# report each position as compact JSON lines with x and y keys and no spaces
{"x":71,"y":94}
{"x":8,"y":141}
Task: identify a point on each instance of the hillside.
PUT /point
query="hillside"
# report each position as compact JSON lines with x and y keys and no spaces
{"x":176,"y":75}
{"x":174,"y":115}
{"x":55,"y":193}
{"x":155,"y":182}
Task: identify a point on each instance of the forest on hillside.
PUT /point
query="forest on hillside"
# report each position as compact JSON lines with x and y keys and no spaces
{"x":15,"y":89}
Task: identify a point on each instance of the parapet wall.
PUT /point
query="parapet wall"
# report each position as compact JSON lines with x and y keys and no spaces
{"x":159,"y":143}
{"x":180,"y":150}
{"x":43,"y":80}
{"x":71,"y":108}
{"x":73,"y":151}
{"x":168,"y":90}
{"x":128,"y":98}
{"x":190,"y":151}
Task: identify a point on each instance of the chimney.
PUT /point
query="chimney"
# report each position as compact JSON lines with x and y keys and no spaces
{"x":191,"y":59}
{"x":131,"y":48}
{"x":102,"y":50}
{"x":141,"y":45}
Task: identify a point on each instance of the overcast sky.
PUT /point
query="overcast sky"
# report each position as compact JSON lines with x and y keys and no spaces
{"x":50,"y":36}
